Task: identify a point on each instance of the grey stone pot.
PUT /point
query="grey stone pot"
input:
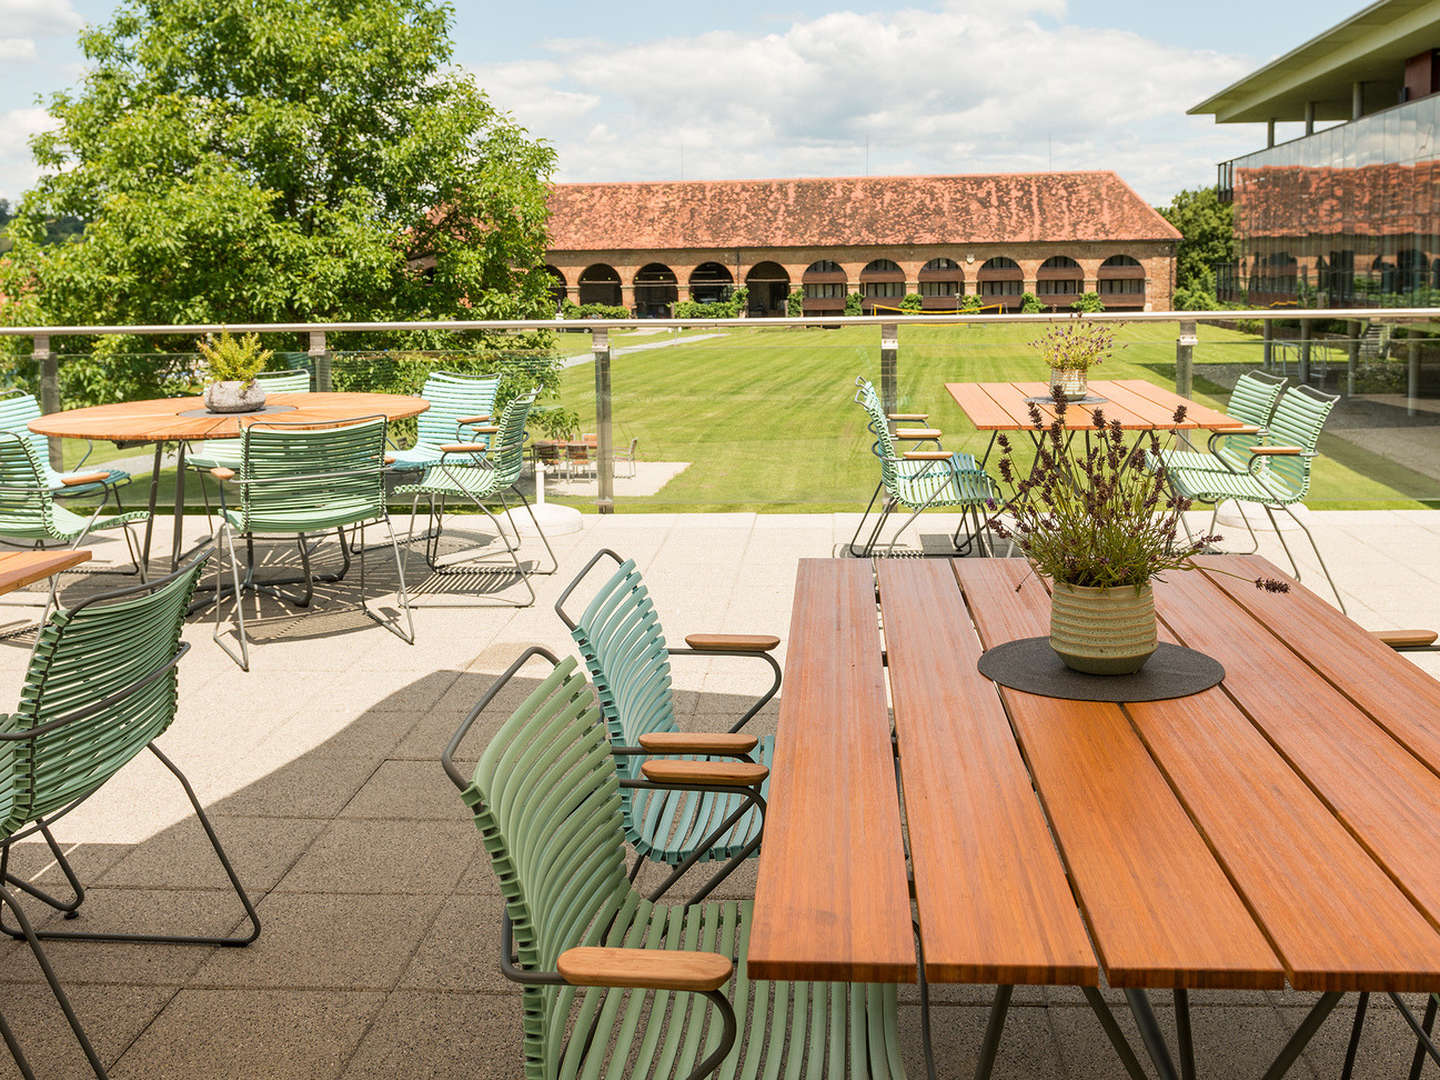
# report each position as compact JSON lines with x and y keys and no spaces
{"x":1102,"y":631}
{"x":1071,"y":382}
{"x":233,"y":396}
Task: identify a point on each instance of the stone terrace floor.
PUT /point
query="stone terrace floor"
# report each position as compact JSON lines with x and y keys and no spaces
{"x":378,"y":956}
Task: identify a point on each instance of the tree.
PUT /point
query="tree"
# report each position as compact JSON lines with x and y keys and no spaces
{"x":852,"y":304}
{"x":1088,"y":301}
{"x":912,"y":303}
{"x":795,"y":303}
{"x":1207,"y":227}
{"x":281,"y":160}
{"x":1030,"y":304}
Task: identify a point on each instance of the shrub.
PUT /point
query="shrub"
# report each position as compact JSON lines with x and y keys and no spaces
{"x":1030,"y":304}
{"x":795,"y":303}
{"x":969,"y":304}
{"x":1089,"y":301}
{"x":234,"y":359}
{"x":852,"y":304}
{"x":912,"y":303}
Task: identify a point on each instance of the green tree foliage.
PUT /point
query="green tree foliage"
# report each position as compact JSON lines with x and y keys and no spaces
{"x":1207,"y":227}
{"x":731,"y":308}
{"x":912,"y":303}
{"x":278,"y":160}
{"x":1088,"y":301}
{"x":1030,"y":304}
{"x":852,"y":304}
{"x":795,"y":303}
{"x":969,"y":304}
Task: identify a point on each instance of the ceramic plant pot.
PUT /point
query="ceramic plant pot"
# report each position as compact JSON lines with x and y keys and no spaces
{"x":1102,"y":631}
{"x":1070,"y":382}
{"x":234,"y":396}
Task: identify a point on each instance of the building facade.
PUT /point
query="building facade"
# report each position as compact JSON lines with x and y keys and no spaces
{"x":646,"y":246}
{"x":1347,"y":215}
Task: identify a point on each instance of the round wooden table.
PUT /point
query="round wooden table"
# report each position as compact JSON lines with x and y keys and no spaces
{"x":183,"y":420}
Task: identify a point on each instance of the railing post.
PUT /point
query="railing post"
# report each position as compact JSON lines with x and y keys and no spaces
{"x":1412,"y":382}
{"x":49,"y":393}
{"x":1268,"y":329}
{"x":1352,"y":356}
{"x":1303,"y":373}
{"x":889,"y":366}
{"x":604,"y":444}
{"x":1185,"y":358}
{"x":320,"y":361}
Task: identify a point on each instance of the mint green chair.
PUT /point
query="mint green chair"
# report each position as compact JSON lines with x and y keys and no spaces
{"x":458,"y":405}
{"x":17,"y":409}
{"x":919,"y":480}
{"x":101,"y":687}
{"x":547,"y":799}
{"x":300,"y":481}
{"x":1251,"y":402}
{"x":226,"y":453}
{"x":480,"y":474}
{"x":1277,"y":474}
{"x":624,"y":648}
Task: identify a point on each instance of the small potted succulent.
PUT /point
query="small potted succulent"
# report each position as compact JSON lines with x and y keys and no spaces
{"x":1100,"y":524}
{"x":231,"y":365}
{"x":1071,"y":349}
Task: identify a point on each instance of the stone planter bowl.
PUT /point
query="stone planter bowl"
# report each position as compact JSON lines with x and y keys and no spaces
{"x":234,"y":396}
{"x":1102,"y":631}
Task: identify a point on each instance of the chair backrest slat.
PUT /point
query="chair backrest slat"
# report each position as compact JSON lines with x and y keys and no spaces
{"x":284,"y":382}
{"x":506,"y":453}
{"x":1299,"y":418}
{"x":16,"y":412}
{"x":1251,"y":402}
{"x":25,"y":498}
{"x":340,"y":468}
{"x":454,"y":398}
{"x":879,"y":425}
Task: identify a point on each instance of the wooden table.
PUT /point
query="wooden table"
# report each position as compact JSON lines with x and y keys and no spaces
{"x":21,"y":568}
{"x":183,"y":420}
{"x":1137,"y":404}
{"x":1279,"y":827}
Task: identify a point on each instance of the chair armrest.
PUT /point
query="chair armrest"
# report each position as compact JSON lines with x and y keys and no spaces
{"x":912,"y":417}
{"x":927,"y":455}
{"x":732,"y":642}
{"x":484,"y":429}
{"x":1406,"y":639}
{"x":222,"y":473}
{"x":718,"y":773}
{"x":918,"y":433}
{"x":389,"y":459}
{"x":697,"y":742}
{"x":467,"y":421}
{"x":1277,"y":451}
{"x":81,"y":481}
{"x":463,"y":448}
{"x":1240,"y":429}
{"x":645,"y":969}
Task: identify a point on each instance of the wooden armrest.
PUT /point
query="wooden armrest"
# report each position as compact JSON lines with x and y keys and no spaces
{"x":222,"y":473}
{"x":723,"y":773}
{"x":697,"y":742}
{"x":732,"y":642}
{"x":462,"y":448}
{"x":1239,"y":429}
{"x":389,"y":459}
{"x":1277,"y":451}
{"x":912,"y":417}
{"x":86,"y":478}
{"x":468,"y":420}
{"x":485,"y":429}
{"x":918,"y":433}
{"x":927,"y":455}
{"x":645,"y":969}
{"x":1406,"y":639}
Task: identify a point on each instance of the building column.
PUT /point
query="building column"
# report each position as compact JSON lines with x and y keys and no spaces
{"x":1310,"y":118}
{"x":1269,"y":133}
{"x":1357,"y":100}
{"x":627,"y":295}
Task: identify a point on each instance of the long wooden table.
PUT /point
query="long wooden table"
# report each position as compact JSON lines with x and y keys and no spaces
{"x":1276,"y":828}
{"x":1138,"y":406}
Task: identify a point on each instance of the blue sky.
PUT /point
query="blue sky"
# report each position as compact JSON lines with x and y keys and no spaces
{"x":648,"y":90}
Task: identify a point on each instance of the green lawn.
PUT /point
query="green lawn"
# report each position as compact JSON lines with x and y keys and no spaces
{"x":766,"y":419}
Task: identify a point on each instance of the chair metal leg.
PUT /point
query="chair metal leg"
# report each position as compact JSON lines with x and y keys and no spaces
{"x":15,"y":1052}
{"x":243,"y":657}
{"x":77,"y":890}
{"x":861,"y":523}
{"x":554,"y":562}
{"x":1318,"y":558}
{"x":393,"y":625}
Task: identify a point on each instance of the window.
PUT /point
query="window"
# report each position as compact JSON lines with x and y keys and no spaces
{"x":939,"y":288}
{"x":1117,"y":286}
{"x":1001,"y":288}
{"x":825,"y":290}
{"x":1057,"y":287}
{"x":824,"y":266}
{"x":884,"y":289}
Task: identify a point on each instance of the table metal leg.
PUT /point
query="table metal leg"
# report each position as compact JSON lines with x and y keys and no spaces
{"x":1182,"y":1034}
{"x":179,"y":505}
{"x":993,"y":1030}
{"x":1422,"y":1032}
{"x":1151,"y":1034}
{"x":154,"y":494}
{"x":1303,"y":1034}
{"x":1355,"y":1029}
{"x":1112,"y":1031}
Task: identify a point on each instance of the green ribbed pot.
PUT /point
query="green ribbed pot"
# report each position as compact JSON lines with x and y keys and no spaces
{"x":1102,"y":631}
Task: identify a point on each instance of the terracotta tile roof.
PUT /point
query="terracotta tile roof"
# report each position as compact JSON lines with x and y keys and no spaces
{"x":1296,"y":201}
{"x":872,"y":210}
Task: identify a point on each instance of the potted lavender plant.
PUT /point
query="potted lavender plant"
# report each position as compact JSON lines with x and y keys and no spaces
{"x":1100,"y":525}
{"x":1071,"y":349}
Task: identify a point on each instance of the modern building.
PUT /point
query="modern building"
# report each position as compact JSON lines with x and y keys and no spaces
{"x":1347,"y":215}
{"x":646,"y":245}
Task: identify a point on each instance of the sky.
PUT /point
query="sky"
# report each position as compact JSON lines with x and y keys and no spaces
{"x":646,"y":90}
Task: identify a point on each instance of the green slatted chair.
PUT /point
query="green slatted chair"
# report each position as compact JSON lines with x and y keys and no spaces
{"x":226,"y":453}
{"x":919,"y":480}
{"x":17,"y":409}
{"x":481,"y":473}
{"x":102,"y":686}
{"x":30,"y":513}
{"x":624,"y":648}
{"x":301,"y":481}
{"x":458,"y":405}
{"x":1252,"y":401}
{"x":546,"y":798}
{"x":1277,"y":476}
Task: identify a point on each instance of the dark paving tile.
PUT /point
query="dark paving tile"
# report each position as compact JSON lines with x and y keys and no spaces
{"x":35,"y":863}
{"x":408,"y":790}
{"x":419,"y":696}
{"x":479,"y":876}
{"x":315,"y":785}
{"x":271,"y":1034}
{"x":1028,"y":1049}
{"x":370,"y":856}
{"x":461,"y":951}
{"x":112,"y":1017}
{"x":1387,"y":1045}
{"x":440,"y":1036}
{"x":326,"y":942}
{"x":262,"y":850}
{"x":372,"y":734}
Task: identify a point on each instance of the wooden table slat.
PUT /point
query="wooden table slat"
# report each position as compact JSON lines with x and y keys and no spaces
{"x":994,"y":902}
{"x":1160,"y":908}
{"x":21,"y":568}
{"x":983,"y":411}
{"x":833,"y":900}
{"x":1203,"y":415}
{"x":1082,"y":417}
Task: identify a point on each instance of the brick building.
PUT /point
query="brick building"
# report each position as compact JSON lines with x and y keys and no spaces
{"x":647,"y":245}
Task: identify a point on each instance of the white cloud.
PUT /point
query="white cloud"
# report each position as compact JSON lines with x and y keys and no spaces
{"x":39,"y":18}
{"x":17,"y":49}
{"x":963,"y":87}
{"x":17,"y":165}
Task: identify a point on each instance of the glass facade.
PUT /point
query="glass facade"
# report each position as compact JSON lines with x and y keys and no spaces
{"x":1347,"y":217}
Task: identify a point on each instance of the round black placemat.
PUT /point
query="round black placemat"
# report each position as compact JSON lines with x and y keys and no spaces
{"x":264,"y":411}
{"x":1031,"y":665}
{"x":1088,"y":399}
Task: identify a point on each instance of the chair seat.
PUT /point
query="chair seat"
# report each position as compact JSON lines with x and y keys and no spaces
{"x":1210,"y":486}
{"x":413,"y":458}
{"x":68,"y":525}
{"x":215,"y":454}
{"x":1200,"y":460}
{"x":309,"y":519}
{"x":942,"y":483}
{"x":668,"y":825}
{"x":785,"y":1028}
{"x":113,"y":478}
{"x":459,"y":481}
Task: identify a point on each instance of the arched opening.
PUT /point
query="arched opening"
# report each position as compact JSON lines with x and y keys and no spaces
{"x":826,"y":285}
{"x":600,"y":284}
{"x":558,"y":288}
{"x":769,"y":287}
{"x":1000,"y":282}
{"x":1059,"y":281}
{"x":656,"y":290}
{"x":710,"y":283}
{"x":941,"y":285}
{"x":882,"y":285}
{"x":1121,"y":282}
